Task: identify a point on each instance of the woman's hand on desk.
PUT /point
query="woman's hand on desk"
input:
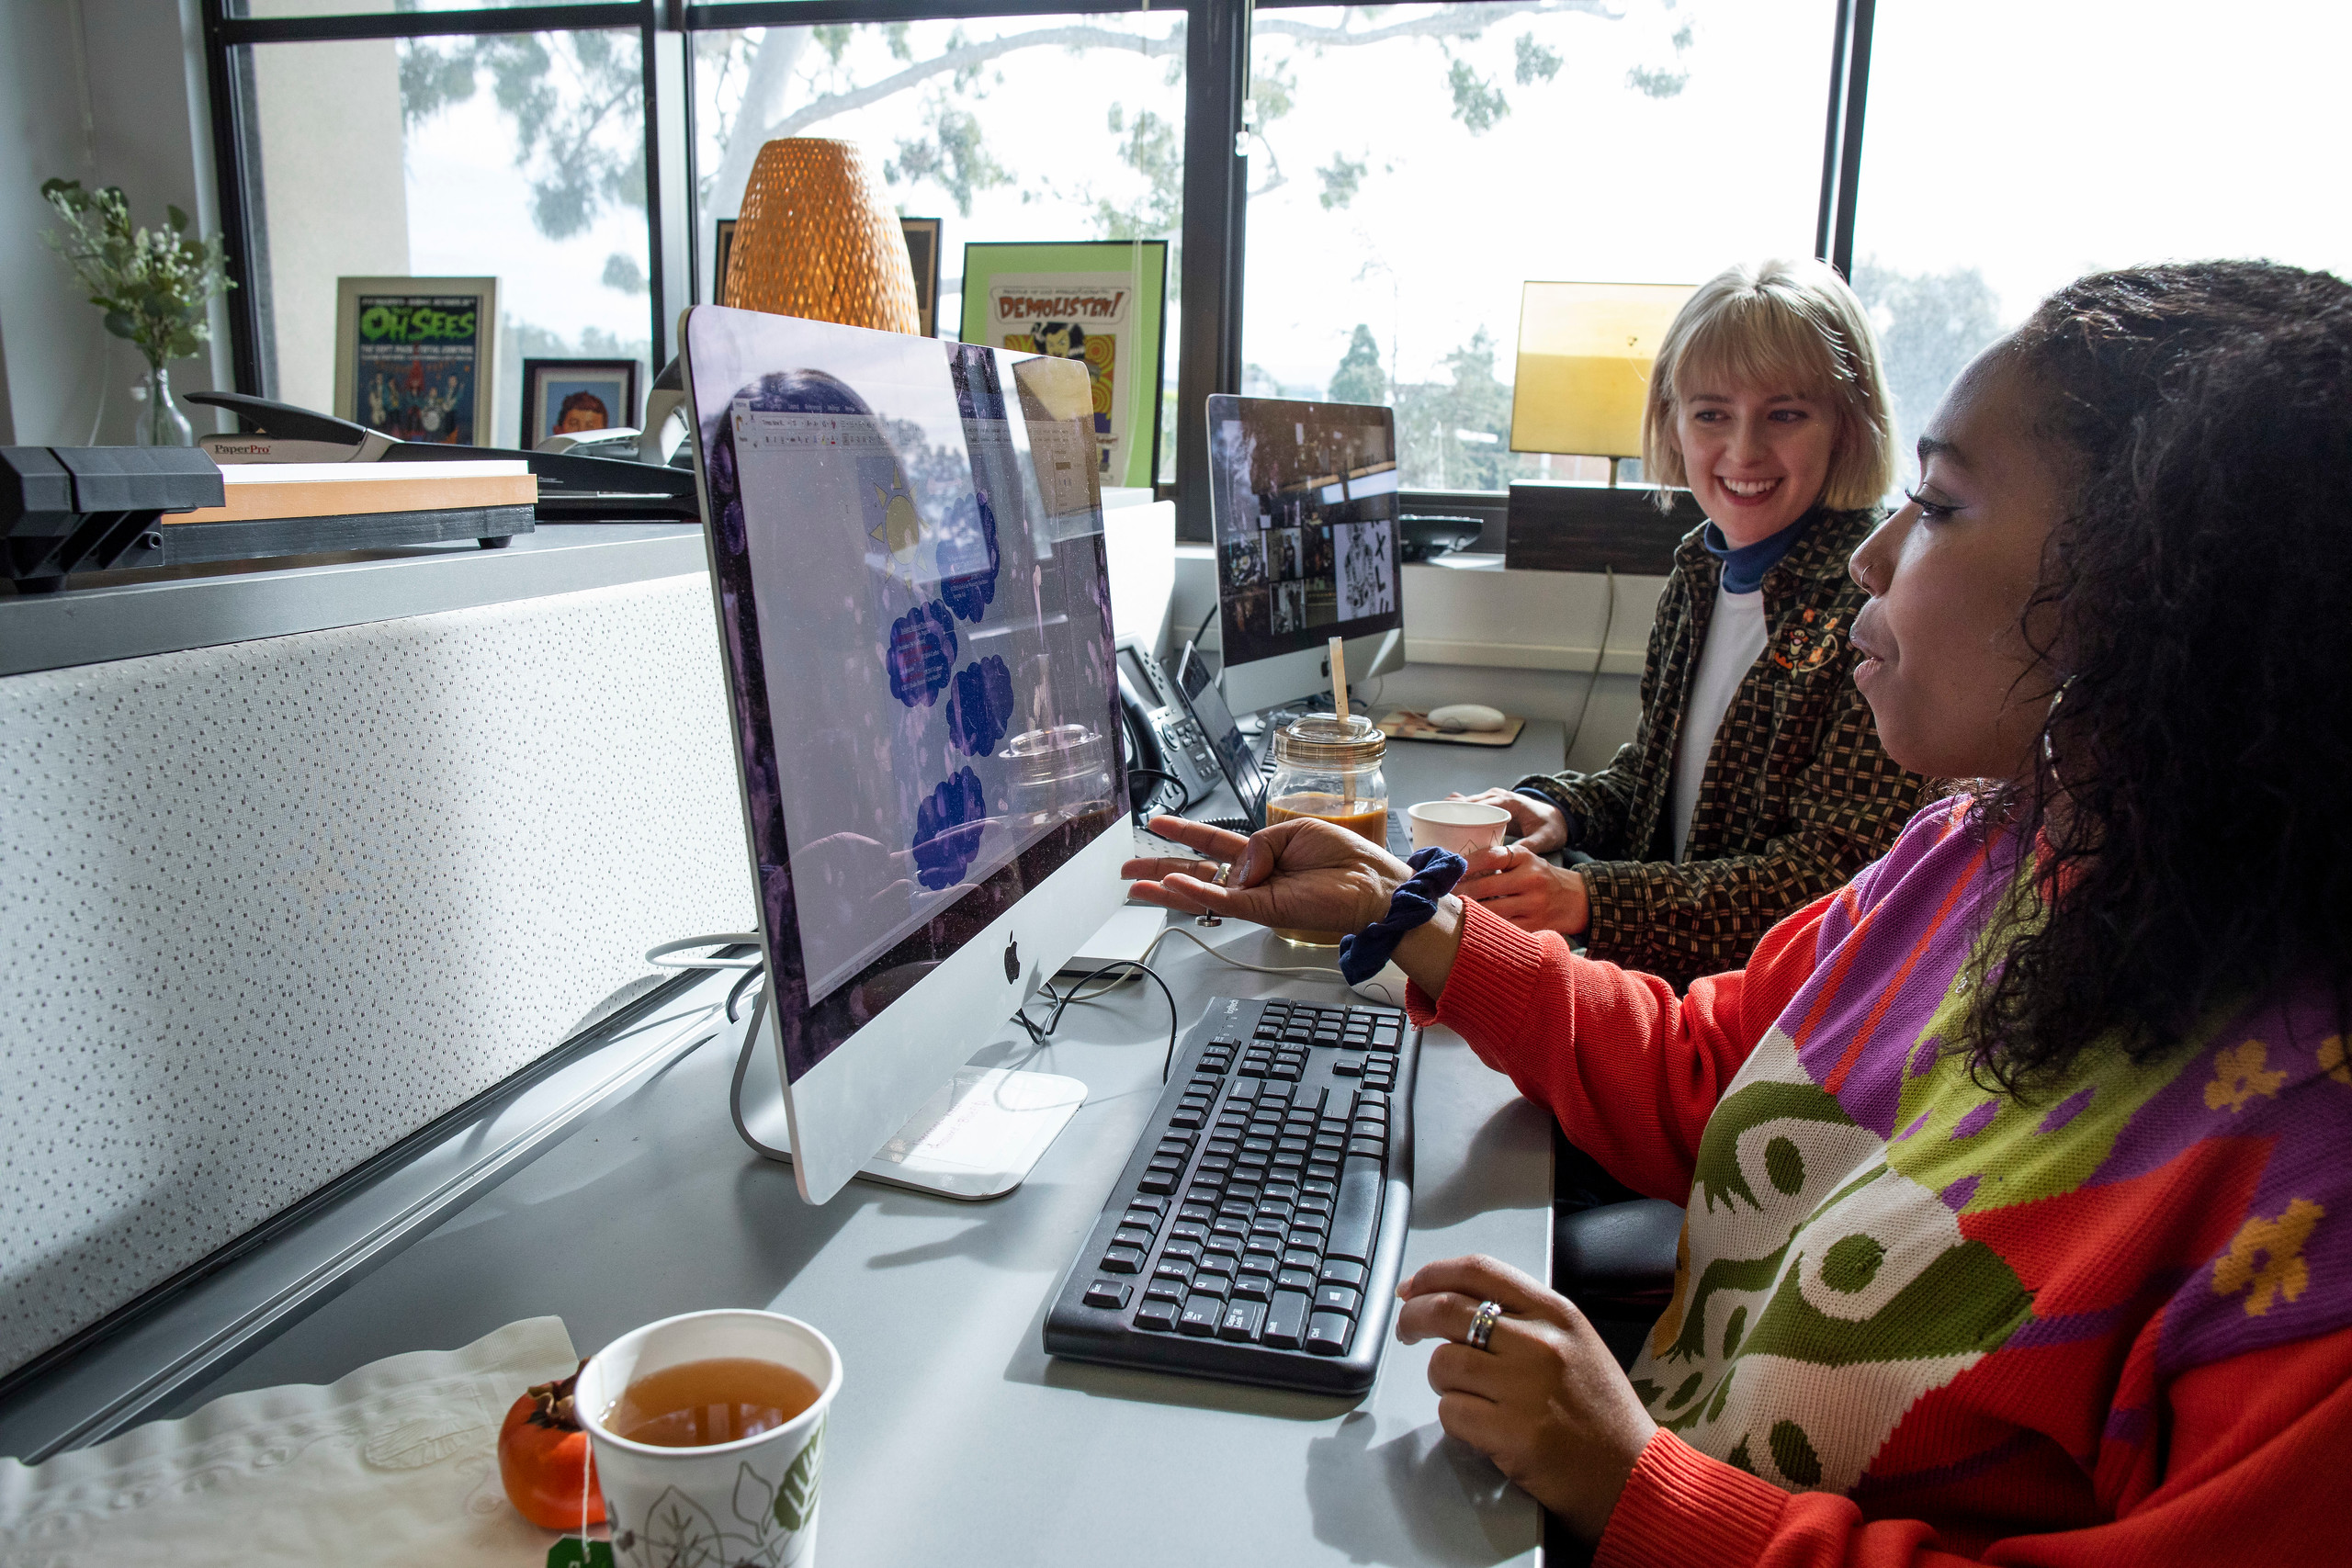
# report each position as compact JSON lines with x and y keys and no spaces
{"x":1527,"y":890}
{"x":1302,"y":874}
{"x":1545,"y":1400}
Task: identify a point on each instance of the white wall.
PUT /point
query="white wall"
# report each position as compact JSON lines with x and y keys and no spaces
{"x":107,"y":91}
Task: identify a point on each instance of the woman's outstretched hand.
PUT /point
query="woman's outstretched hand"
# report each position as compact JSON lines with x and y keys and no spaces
{"x":1545,"y":1400}
{"x":1303,"y":873}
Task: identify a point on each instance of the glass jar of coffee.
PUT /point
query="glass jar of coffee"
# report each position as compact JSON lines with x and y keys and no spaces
{"x":1329,"y":767}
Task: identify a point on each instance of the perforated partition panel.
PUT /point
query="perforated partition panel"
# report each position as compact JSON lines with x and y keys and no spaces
{"x":267,"y":907}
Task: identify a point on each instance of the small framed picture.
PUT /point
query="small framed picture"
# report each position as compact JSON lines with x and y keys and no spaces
{"x":416,"y":357}
{"x":721,"y":244}
{"x":922,"y":250}
{"x":577,"y":397}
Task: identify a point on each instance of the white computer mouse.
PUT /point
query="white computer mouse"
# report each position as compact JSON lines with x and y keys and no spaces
{"x":1387,"y":988}
{"x":1466,"y":716}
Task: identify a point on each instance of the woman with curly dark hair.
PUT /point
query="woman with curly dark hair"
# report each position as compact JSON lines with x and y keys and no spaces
{"x":2020,"y":1214}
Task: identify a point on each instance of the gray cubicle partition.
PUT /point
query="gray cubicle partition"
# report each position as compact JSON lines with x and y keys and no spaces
{"x":293,"y":863}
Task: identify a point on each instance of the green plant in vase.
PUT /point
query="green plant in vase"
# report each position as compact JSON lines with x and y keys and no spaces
{"x":153,"y":284}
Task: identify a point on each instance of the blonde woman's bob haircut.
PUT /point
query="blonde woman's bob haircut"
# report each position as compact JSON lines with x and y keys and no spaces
{"x":1779,"y":326}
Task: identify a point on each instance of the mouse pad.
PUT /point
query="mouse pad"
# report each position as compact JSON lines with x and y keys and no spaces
{"x":1403,"y":725}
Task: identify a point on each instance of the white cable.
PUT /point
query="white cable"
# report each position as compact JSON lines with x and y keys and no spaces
{"x":659,"y":956}
{"x":1316,"y":973}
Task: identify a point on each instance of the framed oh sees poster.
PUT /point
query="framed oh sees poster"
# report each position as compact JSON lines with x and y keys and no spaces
{"x":1102,"y":302}
{"x":414,"y":357}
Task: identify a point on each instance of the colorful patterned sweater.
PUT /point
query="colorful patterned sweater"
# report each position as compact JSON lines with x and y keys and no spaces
{"x":1918,"y":1321}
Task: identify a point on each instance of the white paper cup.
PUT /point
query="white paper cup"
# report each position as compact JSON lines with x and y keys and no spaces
{"x":1457,"y":824}
{"x":752,"y":1501}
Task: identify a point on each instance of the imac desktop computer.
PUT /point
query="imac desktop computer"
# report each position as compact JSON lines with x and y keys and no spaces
{"x":1303,"y":497}
{"x":907,"y":558}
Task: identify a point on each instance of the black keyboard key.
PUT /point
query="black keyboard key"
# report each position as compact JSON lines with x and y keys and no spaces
{"x":1349,"y":1066}
{"x":1285,"y":1322}
{"x":1260,"y":1262}
{"x":1124,"y":1260}
{"x":1339,"y":1271}
{"x":1222,"y":1247}
{"x":1241,"y":1320}
{"x":1157,"y":1181}
{"x":1108,"y":1293}
{"x":1201,"y":1315}
{"x":1327,"y":1332}
{"x":1300,"y":1280}
{"x":1253,"y":1286}
{"x":1314,"y":1203}
{"x":1188,"y":1230}
{"x":1187,"y":1251}
{"x":1156,"y":1314}
{"x":1320,"y":1186}
{"x":1371,"y":1148}
{"x":1306,"y":1236}
{"x":1130,"y":1235}
{"x":1355,"y":1219}
{"x":1188,"y":1120}
{"x":1300,"y":1257}
{"x":1338,"y":1298}
{"x":1157,"y":1205}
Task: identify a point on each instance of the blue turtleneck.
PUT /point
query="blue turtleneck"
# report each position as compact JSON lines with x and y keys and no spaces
{"x":1744,"y":567}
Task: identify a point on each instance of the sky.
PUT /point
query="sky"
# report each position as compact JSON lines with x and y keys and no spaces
{"x":2028,"y":139}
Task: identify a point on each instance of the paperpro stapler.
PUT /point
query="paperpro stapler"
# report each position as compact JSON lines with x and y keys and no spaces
{"x":623,"y":479}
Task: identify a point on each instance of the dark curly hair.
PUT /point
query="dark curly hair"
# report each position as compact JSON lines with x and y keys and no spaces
{"x":2197,"y":602}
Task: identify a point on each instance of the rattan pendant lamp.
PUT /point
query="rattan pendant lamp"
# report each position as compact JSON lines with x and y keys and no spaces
{"x":814,"y":239}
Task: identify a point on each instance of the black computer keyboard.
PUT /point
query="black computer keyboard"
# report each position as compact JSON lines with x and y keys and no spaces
{"x":1256,"y":1232}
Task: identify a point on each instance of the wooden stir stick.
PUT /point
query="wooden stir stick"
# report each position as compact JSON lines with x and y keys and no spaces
{"x":1340,"y":705}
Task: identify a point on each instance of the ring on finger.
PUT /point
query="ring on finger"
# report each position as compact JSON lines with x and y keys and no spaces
{"x":1482,"y":1324}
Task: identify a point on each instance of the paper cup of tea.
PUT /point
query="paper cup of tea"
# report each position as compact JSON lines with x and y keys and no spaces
{"x":699,"y":1453}
{"x":1457,"y":824}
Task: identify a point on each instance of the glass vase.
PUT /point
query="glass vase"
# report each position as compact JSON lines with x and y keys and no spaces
{"x":159,"y":421}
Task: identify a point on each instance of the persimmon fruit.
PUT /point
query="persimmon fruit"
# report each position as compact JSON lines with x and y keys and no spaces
{"x":544,"y":1460}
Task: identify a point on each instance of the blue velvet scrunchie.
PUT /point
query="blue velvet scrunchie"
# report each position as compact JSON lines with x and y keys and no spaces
{"x":1435,"y":871}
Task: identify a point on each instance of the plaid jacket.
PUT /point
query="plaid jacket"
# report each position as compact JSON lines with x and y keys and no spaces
{"x":1797,"y":796}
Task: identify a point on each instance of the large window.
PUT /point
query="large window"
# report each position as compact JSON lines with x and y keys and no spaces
{"x":1407,"y":168}
{"x":514,"y":155}
{"x":1005,"y":128}
{"x":1416,"y":165}
{"x":2013,"y":145}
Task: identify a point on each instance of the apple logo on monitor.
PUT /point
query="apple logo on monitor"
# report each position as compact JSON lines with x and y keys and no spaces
{"x":1012,"y":959}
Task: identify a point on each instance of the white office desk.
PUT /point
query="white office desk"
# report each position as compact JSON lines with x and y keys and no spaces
{"x":955,"y":1438}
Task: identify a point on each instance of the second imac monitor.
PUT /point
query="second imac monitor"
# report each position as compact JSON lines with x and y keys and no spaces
{"x":1305,"y":498}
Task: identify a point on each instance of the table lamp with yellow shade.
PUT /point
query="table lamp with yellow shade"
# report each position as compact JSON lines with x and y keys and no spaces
{"x":1584,"y":365}
{"x":814,"y":239}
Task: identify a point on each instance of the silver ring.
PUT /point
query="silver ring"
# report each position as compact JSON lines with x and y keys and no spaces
{"x":1482,"y":1324}
{"x":1223,"y":872}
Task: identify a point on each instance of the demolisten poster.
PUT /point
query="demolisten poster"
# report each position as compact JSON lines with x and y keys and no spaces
{"x":1016,"y":298}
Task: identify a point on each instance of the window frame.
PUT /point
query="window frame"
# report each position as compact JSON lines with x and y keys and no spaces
{"x":1213,"y":239}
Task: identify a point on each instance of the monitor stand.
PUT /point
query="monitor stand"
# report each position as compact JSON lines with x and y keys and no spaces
{"x":975,"y":1138}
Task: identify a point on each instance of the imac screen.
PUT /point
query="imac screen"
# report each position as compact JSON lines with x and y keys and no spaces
{"x":909,"y":549}
{"x":1305,"y":499}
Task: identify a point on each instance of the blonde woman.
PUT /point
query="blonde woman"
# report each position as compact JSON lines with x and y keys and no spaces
{"x":1754,"y":782}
